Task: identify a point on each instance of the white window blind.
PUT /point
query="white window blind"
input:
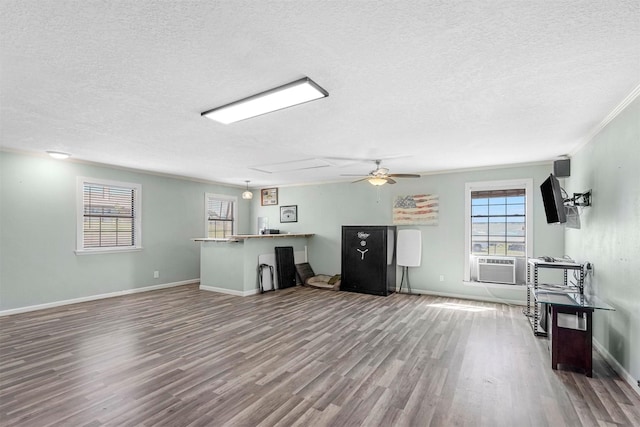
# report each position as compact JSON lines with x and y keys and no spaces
{"x":221,"y":210}
{"x":109,"y":215}
{"x":220,"y":215}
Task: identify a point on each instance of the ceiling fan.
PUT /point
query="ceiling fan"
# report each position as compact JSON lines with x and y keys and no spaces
{"x":381,"y":176}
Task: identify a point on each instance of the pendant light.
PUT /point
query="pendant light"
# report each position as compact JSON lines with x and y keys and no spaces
{"x":247,"y":195}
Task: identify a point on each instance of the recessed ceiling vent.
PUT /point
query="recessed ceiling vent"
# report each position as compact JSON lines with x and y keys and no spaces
{"x":295,"y":165}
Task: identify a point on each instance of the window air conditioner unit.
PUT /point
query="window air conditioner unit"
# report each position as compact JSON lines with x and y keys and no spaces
{"x":497,"y":269}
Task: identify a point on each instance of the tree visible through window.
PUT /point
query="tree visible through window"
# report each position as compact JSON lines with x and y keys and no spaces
{"x":498,"y":222}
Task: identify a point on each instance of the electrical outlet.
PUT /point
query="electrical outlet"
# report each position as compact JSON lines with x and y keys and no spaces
{"x":588,"y":267}
{"x":442,"y":277}
{"x":156,"y":274}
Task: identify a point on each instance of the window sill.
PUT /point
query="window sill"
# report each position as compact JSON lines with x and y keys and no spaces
{"x":107,"y":250}
{"x":495,"y":285}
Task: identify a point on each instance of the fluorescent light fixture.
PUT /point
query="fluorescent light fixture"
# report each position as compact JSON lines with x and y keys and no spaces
{"x":294,"y":93}
{"x":377,"y":181}
{"x":247,"y":195}
{"x":59,"y":155}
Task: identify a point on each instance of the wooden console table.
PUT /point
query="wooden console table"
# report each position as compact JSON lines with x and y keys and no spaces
{"x":571,"y":327}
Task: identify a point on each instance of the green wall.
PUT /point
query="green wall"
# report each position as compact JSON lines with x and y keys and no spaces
{"x":38,"y":232}
{"x":38,"y":229}
{"x":610,"y":233}
{"x":323,"y":209}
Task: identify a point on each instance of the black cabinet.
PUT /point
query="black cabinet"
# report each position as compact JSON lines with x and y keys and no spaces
{"x":368,"y":259}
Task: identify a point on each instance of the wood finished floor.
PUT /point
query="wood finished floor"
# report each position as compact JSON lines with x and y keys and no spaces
{"x":300,"y":356}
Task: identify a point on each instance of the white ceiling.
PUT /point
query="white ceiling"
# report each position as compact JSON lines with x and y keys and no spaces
{"x":428,"y":85}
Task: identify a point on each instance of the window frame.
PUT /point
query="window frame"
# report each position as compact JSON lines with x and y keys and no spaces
{"x":137,"y":216}
{"x":511,"y":184}
{"x":215,"y":196}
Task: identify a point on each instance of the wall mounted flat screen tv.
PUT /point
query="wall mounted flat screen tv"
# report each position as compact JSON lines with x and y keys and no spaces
{"x":553,"y":200}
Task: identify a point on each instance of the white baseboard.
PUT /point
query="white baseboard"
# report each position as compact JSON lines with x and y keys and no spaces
{"x":229,"y":291}
{"x":95,"y":297}
{"x":616,"y":366}
{"x":463,"y":296}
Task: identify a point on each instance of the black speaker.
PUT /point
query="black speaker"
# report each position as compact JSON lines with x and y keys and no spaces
{"x":562,"y":168}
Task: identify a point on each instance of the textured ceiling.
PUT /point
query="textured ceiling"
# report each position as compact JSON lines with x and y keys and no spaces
{"x":428,"y":85}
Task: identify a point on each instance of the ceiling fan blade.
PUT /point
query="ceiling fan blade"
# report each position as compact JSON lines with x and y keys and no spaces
{"x":354,"y":174}
{"x":359,"y":180}
{"x":404,"y":175}
{"x":382,"y":173}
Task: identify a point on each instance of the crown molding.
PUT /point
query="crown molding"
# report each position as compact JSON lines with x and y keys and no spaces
{"x":44,"y":155}
{"x":612,"y":115}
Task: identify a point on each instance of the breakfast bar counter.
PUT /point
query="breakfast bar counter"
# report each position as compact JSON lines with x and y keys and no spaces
{"x":230,"y":265}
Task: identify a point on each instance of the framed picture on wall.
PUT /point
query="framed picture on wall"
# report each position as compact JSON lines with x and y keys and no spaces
{"x":289,"y":213}
{"x":269,"y":196}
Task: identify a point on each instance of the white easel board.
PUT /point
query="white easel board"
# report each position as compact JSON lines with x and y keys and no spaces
{"x":409,"y":248}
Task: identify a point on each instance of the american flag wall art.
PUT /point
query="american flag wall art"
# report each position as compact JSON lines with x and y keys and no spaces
{"x":417,"y":209}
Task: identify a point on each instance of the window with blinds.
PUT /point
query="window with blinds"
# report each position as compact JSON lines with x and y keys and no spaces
{"x":220,"y":215}
{"x":109,"y":215}
{"x":498,"y":227}
{"x":498,"y":222}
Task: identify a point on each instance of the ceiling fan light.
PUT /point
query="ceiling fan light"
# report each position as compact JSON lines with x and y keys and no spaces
{"x":377,"y":181}
{"x":294,"y":93}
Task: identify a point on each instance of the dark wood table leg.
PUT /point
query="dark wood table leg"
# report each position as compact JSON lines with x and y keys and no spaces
{"x":588,"y":354}
{"x":555,"y":345}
